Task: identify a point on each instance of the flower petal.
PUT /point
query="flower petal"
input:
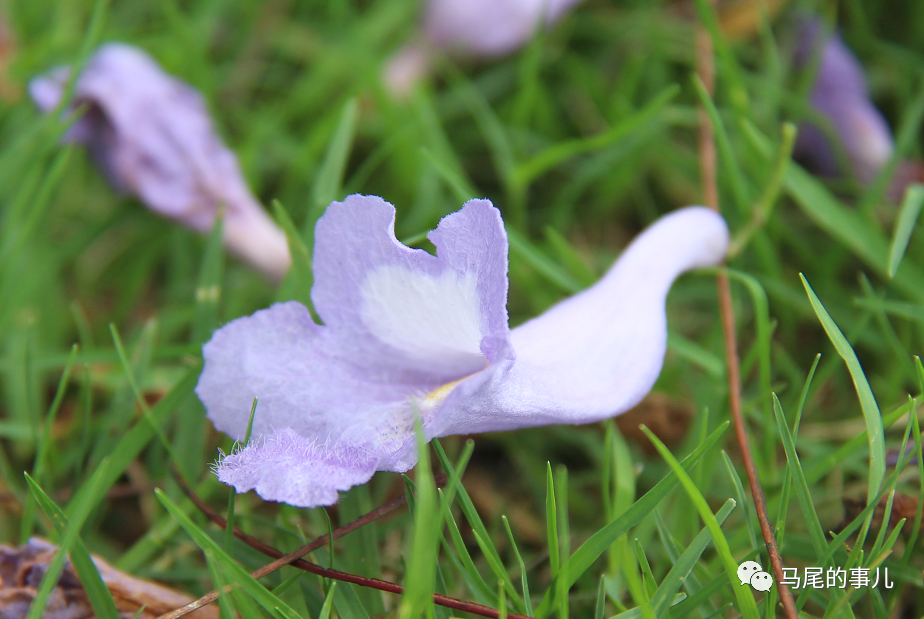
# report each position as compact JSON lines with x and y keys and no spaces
{"x":317,"y":417}
{"x":280,"y":356}
{"x":288,"y":468}
{"x":596,"y":354}
{"x":151,"y":134}
{"x":402,"y":313}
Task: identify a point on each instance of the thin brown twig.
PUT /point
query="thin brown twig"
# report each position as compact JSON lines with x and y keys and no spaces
{"x":707,"y":158}
{"x":294,"y":559}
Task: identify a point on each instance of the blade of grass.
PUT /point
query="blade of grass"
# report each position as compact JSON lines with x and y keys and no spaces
{"x":845,"y":225}
{"x":683,"y":566}
{"x":555,"y":155}
{"x":826,"y":463}
{"x":361,"y":553}
{"x":208,"y":291}
{"x":596,"y":545}
{"x":136,"y":439}
{"x":566,"y":254}
{"x":763,"y":209}
{"x":618,"y":488}
{"x":189,"y":441}
{"x":100,"y":599}
{"x":918,"y":445}
{"x":746,"y":605}
{"x":500,"y":571}
{"x":453,"y":178}
{"x":41,"y":454}
{"x":473,"y":577}
{"x":564,"y":535}
{"x":550,"y":270}
{"x":871,"y":414}
{"x":648,"y":579}
{"x":298,"y":281}
{"x":635,"y":613}
{"x":907,"y":218}
{"x":329,"y":181}
{"x":696,"y":354}
{"x":884,"y":527}
{"x":142,"y":403}
{"x":328,"y":602}
{"x":471,"y":514}
{"x":271,"y":603}
{"x":727,"y":155}
{"x":816,"y":533}
{"x":600,"y":607}
{"x":742,"y":498}
{"x":232,"y":492}
{"x":420,"y":581}
{"x":77,"y":516}
{"x":524,"y":582}
{"x":226,"y":608}
{"x":551,"y":523}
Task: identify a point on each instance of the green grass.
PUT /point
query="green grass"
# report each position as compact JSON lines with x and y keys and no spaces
{"x":581,"y":139}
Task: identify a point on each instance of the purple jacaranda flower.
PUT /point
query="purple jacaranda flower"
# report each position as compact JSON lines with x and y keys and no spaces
{"x":841,"y":96}
{"x":471,"y":28}
{"x":151,"y":135}
{"x":409,"y":335}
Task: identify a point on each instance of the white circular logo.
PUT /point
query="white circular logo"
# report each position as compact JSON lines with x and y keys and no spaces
{"x":762,"y":581}
{"x":748,"y":569}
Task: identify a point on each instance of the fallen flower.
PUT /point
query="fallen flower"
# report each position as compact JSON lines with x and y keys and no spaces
{"x":407,"y":335}
{"x":840,"y":95}
{"x":151,"y":136}
{"x":470,"y":28}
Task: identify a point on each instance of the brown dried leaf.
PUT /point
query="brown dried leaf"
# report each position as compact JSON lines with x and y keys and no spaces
{"x":903,"y":506}
{"x":22,"y":569}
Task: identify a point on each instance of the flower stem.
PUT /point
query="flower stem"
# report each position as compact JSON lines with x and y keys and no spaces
{"x":705,"y":67}
{"x":294,"y":559}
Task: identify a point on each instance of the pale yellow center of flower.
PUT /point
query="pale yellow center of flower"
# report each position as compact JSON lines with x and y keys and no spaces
{"x":436,"y":397}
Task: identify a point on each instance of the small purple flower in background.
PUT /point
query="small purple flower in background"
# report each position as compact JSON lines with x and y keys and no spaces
{"x":151,"y":135}
{"x":841,"y":96}
{"x":407,"y":335}
{"x":471,"y":28}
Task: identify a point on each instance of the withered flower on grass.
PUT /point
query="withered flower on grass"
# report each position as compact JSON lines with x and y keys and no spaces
{"x":407,"y":335}
{"x":841,"y":97}
{"x":470,"y":29}
{"x":152,"y":136}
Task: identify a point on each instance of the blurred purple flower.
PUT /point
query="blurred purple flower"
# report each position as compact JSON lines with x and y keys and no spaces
{"x":151,"y":135}
{"x":471,"y":28}
{"x":407,"y":335}
{"x":841,"y":96}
